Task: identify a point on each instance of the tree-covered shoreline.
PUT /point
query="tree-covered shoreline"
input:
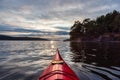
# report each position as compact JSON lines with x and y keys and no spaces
{"x":103,"y":28}
{"x":6,"y":37}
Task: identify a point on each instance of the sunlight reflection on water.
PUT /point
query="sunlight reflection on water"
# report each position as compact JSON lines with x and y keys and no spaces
{"x":53,"y":46}
{"x":25,"y":60}
{"x":25,"y":57}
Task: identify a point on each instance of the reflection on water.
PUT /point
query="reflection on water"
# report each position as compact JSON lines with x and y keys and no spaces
{"x":25,"y":60}
{"x":99,"y":54}
{"x":101,"y":60}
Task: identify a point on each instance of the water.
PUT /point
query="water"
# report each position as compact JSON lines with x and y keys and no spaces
{"x":25,"y":60}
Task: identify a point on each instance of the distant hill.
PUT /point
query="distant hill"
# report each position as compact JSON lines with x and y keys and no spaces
{"x":61,"y":33}
{"x":5,"y":37}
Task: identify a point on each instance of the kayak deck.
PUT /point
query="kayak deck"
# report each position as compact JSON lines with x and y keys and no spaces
{"x":58,"y":70}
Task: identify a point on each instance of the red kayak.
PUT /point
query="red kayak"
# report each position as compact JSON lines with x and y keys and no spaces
{"x":58,"y":70}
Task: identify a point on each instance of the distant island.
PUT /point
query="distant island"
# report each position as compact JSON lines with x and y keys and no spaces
{"x":103,"y":28}
{"x":5,"y":37}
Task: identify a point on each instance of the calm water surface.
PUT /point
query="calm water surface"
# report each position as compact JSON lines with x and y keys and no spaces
{"x":25,"y":60}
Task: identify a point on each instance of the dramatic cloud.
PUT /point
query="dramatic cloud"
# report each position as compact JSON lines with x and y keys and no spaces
{"x":51,"y":15}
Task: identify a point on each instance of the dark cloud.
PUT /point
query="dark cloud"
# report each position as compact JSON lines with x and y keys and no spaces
{"x":27,"y":13}
{"x":48,"y":9}
{"x":61,"y":28}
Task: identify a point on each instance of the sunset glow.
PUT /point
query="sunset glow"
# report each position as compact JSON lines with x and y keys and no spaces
{"x":50,"y":15}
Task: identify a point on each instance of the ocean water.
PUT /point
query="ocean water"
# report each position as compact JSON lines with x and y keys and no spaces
{"x":25,"y":60}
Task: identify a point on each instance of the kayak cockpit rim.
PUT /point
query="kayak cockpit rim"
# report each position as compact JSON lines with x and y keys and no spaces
{"x":57,"y":62}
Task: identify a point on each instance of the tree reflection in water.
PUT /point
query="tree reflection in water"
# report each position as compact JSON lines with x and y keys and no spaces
{"x":96,"y":53}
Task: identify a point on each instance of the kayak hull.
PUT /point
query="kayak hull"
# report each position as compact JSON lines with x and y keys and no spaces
{"x":58,"y":70}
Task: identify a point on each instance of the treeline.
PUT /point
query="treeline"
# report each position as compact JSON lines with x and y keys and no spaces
{"x":5,"y":37}
{"x":109,"y":23}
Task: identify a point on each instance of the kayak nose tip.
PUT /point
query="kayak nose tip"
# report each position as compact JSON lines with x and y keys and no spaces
{"x":57,"y":50}
{"x":57,"y":55}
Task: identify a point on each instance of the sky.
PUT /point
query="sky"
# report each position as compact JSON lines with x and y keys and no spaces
{"x":28,"y":17}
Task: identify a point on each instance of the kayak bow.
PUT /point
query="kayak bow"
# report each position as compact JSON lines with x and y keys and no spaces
{"x":58,"y":70}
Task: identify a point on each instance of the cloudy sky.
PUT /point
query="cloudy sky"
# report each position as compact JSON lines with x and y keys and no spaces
{"x":32,"y":16}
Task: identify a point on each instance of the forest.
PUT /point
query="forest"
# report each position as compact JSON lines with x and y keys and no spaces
{"x":105,"y":27}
